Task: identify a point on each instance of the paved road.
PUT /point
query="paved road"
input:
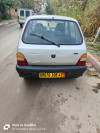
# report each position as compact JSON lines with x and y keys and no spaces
{"x":52,"y":106}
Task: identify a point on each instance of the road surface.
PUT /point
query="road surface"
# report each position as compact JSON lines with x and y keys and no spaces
{"x":44,"y":105}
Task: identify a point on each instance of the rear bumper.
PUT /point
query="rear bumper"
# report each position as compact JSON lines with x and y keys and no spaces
{"x":71,"y":71}
{"x":20,"y":22}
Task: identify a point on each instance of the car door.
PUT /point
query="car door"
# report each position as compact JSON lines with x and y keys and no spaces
{"x":22,"y":16}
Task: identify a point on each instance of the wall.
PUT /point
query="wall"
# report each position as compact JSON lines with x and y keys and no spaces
{"x":13,"y":13}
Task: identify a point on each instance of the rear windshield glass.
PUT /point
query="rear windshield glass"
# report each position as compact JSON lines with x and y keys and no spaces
{"x":58,"y":31}
{"x":21,"y":13}
{"x":32,"y":13}
{"x":27,"y":13}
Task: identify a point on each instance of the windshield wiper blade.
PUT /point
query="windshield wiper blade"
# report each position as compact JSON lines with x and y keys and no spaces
{"x":45,"y":39}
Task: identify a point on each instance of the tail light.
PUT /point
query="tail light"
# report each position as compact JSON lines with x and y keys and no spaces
{"x":26,"y":73}
{"x":82,"y":60}
{"x":21,"y":60}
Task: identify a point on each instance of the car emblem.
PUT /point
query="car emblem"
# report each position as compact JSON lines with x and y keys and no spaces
{"x":53,"y":56}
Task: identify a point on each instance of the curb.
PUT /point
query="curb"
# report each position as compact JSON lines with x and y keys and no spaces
{"x":7,"y":23}
{"x":94,"y":62}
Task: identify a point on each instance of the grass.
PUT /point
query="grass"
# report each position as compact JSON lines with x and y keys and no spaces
{"x":99,"y":46}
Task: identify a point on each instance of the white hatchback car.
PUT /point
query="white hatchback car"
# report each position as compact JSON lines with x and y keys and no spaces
{"x":51,"y":47}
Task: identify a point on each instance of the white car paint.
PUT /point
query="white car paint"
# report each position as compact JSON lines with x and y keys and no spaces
{"x":41,"y":54}
{"x":23,"y":18}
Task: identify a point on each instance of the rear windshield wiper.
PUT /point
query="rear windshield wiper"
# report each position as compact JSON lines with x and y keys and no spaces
{"x":45,"y":39}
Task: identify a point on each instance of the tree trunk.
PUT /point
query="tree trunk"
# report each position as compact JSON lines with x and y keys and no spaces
{"x":97,"y":35}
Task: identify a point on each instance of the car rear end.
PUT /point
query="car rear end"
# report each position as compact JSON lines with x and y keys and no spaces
{"x":21,"y":16}
{"x":39,"y":58}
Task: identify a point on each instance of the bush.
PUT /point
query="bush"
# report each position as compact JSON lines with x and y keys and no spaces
{"x":87,"y":14}
{"x":6,"y":5}
{"x":6,"y":16}
{"x":99,"y":46}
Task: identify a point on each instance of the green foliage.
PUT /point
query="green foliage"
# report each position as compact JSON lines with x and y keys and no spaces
{"x":87,"y":13}
{"x":89,"y":43}
{"x":49,"y":9}
{"x":6,"y":16}
{"x":99,"y":46}
{"x":26,"y":3}
{"x":6,"y":5}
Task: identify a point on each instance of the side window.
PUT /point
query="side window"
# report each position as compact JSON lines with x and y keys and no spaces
{"x":22,"y":13}
{"x":27,"y":13}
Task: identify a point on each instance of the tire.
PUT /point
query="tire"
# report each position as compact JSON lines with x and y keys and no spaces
{"x":26,"y":78}
{"x":21,"y":25}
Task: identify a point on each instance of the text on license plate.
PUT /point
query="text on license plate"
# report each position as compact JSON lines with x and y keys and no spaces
{"x":52,"y":75}
{"x":22,"y":19}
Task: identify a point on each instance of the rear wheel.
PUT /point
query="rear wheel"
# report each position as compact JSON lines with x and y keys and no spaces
{"x":27,"y":78}
{"x":21,"y":25}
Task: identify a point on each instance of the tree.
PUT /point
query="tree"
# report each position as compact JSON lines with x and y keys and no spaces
{"x":6,"y":5}
{"x":49,"y":9}
{"x":26,"y":3}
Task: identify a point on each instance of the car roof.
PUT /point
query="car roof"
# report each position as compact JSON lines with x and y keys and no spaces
{"x":51,"y":17}
{"x":24,"y":9}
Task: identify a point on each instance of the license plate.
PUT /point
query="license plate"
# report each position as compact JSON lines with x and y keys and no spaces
{"x":21,"y":18}
{"x":52,"y":75}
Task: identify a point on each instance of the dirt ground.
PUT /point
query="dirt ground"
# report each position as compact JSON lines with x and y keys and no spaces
{"x":51,"y":105}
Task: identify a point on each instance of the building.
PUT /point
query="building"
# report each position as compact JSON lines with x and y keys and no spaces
{"x":39,"y":8}
{"x":14,"y":11}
